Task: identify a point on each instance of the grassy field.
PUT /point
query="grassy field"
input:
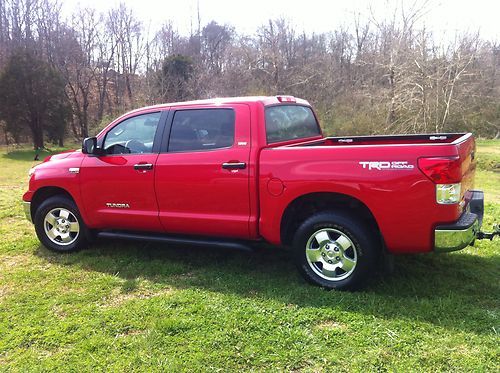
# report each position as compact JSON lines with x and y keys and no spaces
{"x":130,"y":307}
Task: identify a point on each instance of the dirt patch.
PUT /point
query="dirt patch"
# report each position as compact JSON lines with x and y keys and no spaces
{"x":4,"y":292}
{"x":118,"y":297}
{"x":21,"y":260}
{"x":331,"y":325}
{"x":10,"y":187}
{"x":130,"y":333}
{"x":59,"y":312}
{"x":24,"y":261}
{"x":185,"y":276}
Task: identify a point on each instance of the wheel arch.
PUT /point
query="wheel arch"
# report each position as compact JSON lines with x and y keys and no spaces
{"x":304,"y":206}
{"x":46,"y":192}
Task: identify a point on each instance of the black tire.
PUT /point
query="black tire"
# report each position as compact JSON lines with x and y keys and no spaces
{"x":359,"y":246}
{"x":75,"y":240}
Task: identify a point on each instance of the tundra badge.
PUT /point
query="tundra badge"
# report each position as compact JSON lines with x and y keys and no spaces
{"x":118,"y":205}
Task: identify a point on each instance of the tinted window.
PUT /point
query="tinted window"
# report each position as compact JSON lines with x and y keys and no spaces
{"x":133,"y":135}
{"x":201,"y":129}
{"x":287,"y":122}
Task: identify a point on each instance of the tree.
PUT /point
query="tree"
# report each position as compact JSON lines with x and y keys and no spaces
{"x":77,"y":65}
{"x":126,"y":31}
{"x":32,"y":96}
{"x":215,"y":40}
{"x":379,"y":73}
{"x":174,"y":77}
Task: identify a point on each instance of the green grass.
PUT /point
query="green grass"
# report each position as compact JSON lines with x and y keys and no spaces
{"x":129,"y":306}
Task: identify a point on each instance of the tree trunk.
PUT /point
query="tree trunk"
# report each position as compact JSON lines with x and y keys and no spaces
{"x":102,"y":97}
{"x":85,"y":117}
{"x":6,"y":135}
{"x":129,"y":88}
{"x":37,"y":134}
{"x":391,"y":116}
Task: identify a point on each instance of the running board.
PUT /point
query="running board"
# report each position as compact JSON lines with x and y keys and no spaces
{"x":227,"y":244}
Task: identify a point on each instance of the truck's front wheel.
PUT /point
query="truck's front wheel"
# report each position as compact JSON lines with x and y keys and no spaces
{"x":335,"y":250}
{"x":59,"y":226}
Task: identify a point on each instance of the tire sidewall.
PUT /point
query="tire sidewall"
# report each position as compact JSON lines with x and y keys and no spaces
{"x":357,"y":232}
{"x":41,"y":212}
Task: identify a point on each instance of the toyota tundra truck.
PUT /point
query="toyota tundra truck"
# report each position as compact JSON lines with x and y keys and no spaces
{"x":236,"y":171}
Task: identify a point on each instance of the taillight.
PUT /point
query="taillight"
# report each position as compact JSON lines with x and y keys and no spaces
{"x":441,"y":170}
{"x":446,"y":173}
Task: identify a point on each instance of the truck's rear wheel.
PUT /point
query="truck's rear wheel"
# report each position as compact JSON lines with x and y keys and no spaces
{"x":59,"y":226}
{"x":335,"y":250}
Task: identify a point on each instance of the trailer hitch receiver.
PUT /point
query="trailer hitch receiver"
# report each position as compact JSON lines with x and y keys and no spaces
{"x":489,"y":235}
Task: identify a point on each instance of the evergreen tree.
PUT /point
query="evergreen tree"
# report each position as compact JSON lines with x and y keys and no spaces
{"x":175,"y":74}
{"x":32,"y":98}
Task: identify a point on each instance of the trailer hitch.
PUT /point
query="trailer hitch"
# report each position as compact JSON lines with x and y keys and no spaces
{"x":489,"y":235}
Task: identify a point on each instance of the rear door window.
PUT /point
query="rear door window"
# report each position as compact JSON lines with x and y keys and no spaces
{"x":201,"y":129}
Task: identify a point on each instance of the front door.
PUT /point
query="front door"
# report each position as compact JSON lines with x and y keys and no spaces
{"x":118,"y":187}
{"x":202,"y":173}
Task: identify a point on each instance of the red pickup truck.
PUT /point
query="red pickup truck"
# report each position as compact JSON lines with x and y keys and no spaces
{"x":234,"y":171}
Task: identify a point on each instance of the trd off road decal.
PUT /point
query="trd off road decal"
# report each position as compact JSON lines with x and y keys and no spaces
{"x":386,"y":165}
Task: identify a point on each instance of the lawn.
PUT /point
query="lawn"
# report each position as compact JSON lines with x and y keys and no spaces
{"x":129,"y":307}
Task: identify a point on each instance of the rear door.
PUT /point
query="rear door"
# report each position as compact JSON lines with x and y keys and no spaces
{"x":202,"y":177}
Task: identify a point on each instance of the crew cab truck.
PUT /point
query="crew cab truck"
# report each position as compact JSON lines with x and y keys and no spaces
{"x":238,"y":170}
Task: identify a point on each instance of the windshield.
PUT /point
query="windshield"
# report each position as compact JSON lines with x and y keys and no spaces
{"x":288,"y":122}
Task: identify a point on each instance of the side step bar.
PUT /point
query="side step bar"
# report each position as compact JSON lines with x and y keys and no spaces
{"x":152,"y":237}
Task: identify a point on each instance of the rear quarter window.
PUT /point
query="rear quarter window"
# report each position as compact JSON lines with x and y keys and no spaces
{"x":288,"y":122}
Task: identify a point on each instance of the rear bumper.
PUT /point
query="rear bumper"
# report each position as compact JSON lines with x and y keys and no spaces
{"x":462,"y":233}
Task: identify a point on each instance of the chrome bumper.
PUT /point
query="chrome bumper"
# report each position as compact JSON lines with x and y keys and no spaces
{"x":27,"y":210}
{"x":455,"y":239}
{"x":462,"y":233}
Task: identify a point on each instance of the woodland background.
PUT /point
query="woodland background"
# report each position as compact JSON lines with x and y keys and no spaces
{"x":63,"y":78}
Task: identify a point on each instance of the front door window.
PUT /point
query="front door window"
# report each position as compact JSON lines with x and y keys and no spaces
{"x":133,"y":135}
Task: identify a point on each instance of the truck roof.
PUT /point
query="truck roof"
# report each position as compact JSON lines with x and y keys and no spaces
{"x":265,"y":100}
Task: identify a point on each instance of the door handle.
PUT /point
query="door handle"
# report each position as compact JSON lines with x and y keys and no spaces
{"x":143,"y":166}
{"x":234,"y":165}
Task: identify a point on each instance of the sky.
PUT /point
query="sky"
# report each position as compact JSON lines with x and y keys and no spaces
{"x":445,"y":18}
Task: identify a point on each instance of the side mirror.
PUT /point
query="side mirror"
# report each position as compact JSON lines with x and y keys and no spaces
{"x":89,"y":145}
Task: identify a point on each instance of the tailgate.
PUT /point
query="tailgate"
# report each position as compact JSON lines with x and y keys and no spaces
{"x":467,"y":153}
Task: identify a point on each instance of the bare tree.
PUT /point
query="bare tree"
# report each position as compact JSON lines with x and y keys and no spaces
{"x":126,"y":31}
{"x":373,"y":75}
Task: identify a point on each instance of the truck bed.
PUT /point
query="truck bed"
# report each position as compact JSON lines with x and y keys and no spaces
{"x":380,"y":171}
{"x":441,"y":138}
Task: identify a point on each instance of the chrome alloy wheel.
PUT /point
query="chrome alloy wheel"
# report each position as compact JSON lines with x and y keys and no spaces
{"x":331,"y":254}
{"x":61,"y":226}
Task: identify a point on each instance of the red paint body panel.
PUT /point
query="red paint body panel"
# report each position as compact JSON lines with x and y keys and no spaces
{"x":113,"y":179}
{"x":402,"y":201}
{"x":190,"y":193}
{"x":197,"y":196}
{"x":55,"y":173}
